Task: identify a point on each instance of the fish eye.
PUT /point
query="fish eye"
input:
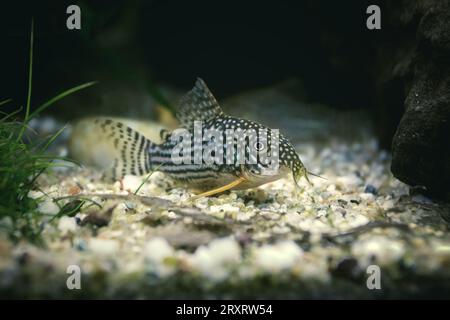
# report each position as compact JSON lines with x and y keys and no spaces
{"x":259,"y":146}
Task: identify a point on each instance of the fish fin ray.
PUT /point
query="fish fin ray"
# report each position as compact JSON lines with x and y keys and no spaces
{"x":220,"y":189}
{"x":131,"y":150}
{"x":198,"y":104}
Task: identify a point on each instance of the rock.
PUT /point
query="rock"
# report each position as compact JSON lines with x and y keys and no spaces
{"x":420,"y":147}
{"x":421,"y":150}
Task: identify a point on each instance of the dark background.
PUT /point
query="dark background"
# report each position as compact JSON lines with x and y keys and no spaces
{"x":233,"y":45}
{"x":399,"y":75}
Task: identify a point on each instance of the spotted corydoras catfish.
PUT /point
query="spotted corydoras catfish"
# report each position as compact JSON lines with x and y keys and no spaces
{"x":200,"y":113}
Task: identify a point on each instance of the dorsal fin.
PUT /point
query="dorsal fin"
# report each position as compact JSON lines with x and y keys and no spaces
{"x":198,"y":104}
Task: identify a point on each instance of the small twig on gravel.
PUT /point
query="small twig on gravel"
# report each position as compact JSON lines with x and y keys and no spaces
{"x":366,"y":228}
{"x":200,"y":216}
{"x":143,"y":199}
{"x":192,"y":212}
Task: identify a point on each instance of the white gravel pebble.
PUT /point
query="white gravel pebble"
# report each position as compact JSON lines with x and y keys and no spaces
{"x":157,"y":251}
{"x":384,"y":250}
{"x":214,"y":260}
{"x":104,"y":247}
{"x":67,"y":224}
{"x":35,"y":194}
{"x":274,"y":258}
{"x":48,"y":207}
{"x":131,"y":183}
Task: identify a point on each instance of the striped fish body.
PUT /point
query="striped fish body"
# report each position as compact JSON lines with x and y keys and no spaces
{"x":204,"y":174}
{"x":137,"y":155}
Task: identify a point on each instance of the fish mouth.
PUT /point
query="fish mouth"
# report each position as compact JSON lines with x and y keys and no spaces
{"x":302,"y":172}
{"x":297,"y":178}
{"x":299,"y":171}
{"x":264,"y":174}
{"x":257,"y":179}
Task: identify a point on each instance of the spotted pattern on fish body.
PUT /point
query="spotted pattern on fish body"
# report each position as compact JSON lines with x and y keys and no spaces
{"x":137,"y":155}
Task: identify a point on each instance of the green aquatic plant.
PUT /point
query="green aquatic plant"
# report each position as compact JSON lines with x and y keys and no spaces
{"x":22,"y":161}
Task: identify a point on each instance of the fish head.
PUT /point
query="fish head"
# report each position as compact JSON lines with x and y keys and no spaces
{"x":274,"y":159}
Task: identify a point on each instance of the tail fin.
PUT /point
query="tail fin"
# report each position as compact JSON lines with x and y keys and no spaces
{"x":130,"y":149}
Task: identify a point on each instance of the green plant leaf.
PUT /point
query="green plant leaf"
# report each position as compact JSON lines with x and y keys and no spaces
{"x":61,"y":95}
{"x":30,"y":80}
{"x":5,"y":101}
{"x":146,"y":179}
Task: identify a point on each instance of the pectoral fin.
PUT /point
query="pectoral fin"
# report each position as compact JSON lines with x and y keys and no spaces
{"x":220,"y":189}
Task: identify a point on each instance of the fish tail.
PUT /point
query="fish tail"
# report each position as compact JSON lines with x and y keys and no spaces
{"x":131,"y":149}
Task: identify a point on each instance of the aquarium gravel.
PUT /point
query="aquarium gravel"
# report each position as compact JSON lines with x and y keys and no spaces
{"x":275,"y":241}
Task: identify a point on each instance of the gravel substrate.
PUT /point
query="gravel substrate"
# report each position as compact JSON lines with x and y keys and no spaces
{"x":277,"y":241}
